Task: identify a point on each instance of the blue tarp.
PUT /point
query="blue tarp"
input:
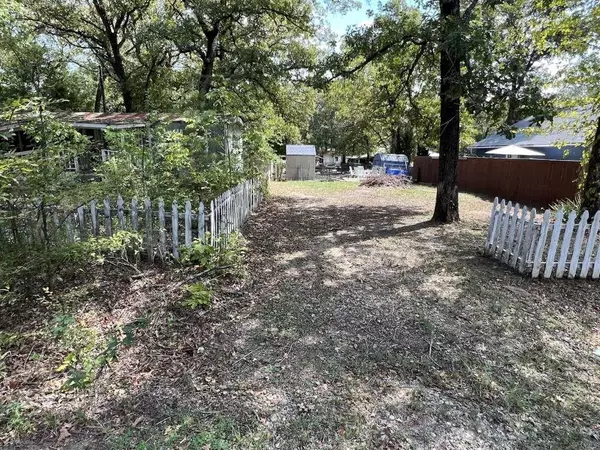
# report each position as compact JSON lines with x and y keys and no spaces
{"x":393,"y":164}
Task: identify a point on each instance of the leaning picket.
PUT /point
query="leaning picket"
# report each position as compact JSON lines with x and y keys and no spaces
{"x":511,"y":234}
{"x":120,"y":212}
{"x":566,"y":245}
{"x":528,"y":244}
{"x":494,"y":213}
{"x":134,"y":214}
{"x":520,"y":232}
{"x":596,"y":271}
{"x":553,"y":243}
{"x":497,"y":225}
{"x":504,"y":230}
{"x":585,"y":266}
{"x":201,"y":221}
{"x":81,"y":223}
{"x":539,"y":252}
{"x":574,"y":265}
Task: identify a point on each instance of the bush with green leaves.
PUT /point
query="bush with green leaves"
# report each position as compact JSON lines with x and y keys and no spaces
{"x":225,"y":252}
{"x":159,"y":162}
{"x":199,"y":296}
{"x":14,"y":418}
{"x":36,"y":267}
{"x":567,"y":205}
{"x":88,"y":352}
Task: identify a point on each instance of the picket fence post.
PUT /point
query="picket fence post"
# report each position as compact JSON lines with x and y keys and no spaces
{"x":541,"y":245}
{"x":94,"y":216}
{"x":148,"y":228}
{"x":577,"y":245}
{"x":528,"y":244}
{"x":175,"y":230}
{"x":553,"y":243}
{"x":585,"y":266}
{"x":566,"y":244}
{"x":201,"y":221}
{"x":107,"y":218}
{"x":162,"y":232}
{"x":81,"y":223}
{"x":134,"y":214}
{"x":188,"y":224}
{"x":120,"y":213}
{"x":517,"y":250}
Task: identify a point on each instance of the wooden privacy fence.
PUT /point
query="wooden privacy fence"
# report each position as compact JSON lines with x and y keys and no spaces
{"x":551,"y":245}
{"x":531,"y":181}
{"x":165,"y":228}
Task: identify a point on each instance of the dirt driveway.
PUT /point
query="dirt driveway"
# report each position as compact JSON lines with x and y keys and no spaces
{"x":360,"y":325}
{"x":366,"y":326}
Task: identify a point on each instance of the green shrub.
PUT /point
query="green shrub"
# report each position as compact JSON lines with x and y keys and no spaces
{"x":35,"y":266}
{"x":88,"y":353}
{"x":568,"y":205}
{"x":226,"y":252}
{"x":14,"y":420}
{"x":199,"y":296}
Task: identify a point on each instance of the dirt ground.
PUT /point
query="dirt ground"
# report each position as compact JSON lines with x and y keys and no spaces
{"x":359,"y":325}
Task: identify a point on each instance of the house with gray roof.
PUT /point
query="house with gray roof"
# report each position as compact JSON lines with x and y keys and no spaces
{"x":561,"y":139}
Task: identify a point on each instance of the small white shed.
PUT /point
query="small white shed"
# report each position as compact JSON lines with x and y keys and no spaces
{"x":300,"y":162}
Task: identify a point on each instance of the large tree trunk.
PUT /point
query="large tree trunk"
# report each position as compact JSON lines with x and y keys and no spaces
{"x":208,"y":64}
{"x":590,"y":194}
{"x":117,"y":62}
{"x":100,"y":103}
{"x":446,"y":203}
{"x":205,"y":84}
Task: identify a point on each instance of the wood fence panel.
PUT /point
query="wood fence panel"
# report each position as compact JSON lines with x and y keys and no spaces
{"x":529,"y":181}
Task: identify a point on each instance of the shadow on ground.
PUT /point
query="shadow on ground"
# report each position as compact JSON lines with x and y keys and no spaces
{"x":360,"y":326}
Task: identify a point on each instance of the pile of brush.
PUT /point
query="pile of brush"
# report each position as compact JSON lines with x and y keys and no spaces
{"x":398,"y":181}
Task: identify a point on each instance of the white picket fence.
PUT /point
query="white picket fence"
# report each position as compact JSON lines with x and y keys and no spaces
{"x":165,"y":228}
{"x":544,"y":245}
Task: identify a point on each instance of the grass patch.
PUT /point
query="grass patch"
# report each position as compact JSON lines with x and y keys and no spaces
{"x":189,"y":432}
{"x":311,"y":187}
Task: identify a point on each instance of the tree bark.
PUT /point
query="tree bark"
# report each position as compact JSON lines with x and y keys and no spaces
{"x":590,"y":194}
{"x":446,"y":204}
{"x":116,"y":59}
{"x":208,"y":64}
{"x":205,"y":83}
{"x":100,"y":103}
